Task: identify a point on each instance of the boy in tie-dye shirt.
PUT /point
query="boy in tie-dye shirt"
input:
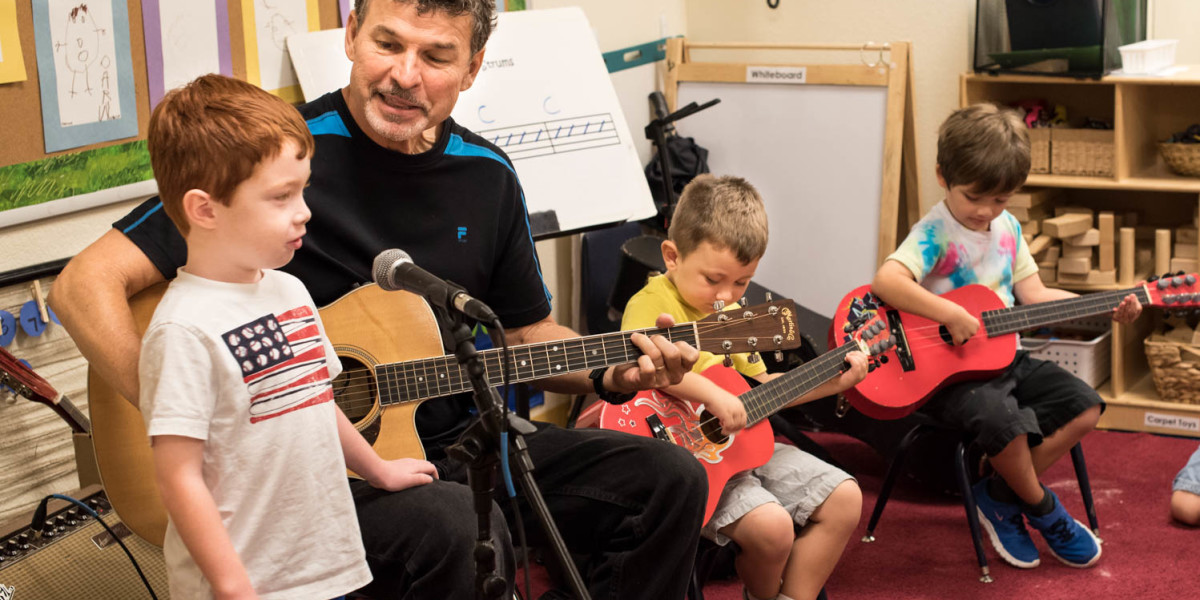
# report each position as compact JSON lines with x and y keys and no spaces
{"x":1033,"y":413}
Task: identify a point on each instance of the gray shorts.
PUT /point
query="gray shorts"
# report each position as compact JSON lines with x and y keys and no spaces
{"x":1188,"y":479}
{"x":793,"y":479}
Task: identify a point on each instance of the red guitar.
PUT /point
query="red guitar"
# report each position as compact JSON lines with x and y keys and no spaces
{"x":924,"y":360}
{"x":31,"y":386}
{"x":655,"y":413}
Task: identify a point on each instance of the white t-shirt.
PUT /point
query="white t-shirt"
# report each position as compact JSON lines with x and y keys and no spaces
{"x":248,"y":369}
{"x":945,"y":255}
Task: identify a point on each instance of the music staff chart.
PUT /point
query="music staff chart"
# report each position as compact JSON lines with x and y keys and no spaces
{"x":555,"y":137}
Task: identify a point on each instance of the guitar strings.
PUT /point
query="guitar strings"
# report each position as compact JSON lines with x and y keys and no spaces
{"x":362,"y":381}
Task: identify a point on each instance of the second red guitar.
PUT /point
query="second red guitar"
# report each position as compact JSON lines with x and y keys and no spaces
{"x":924,"y":360}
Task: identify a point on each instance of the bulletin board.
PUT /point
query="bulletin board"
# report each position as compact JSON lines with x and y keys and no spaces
{"x":29,"y":175}
{"x":830,"y":147}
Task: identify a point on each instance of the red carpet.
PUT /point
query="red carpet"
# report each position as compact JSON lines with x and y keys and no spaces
{"x":923,"y":547}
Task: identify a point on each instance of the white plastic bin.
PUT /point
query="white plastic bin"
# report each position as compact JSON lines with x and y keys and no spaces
{"x":1089,"y":360}
{"x":1149,"y":56}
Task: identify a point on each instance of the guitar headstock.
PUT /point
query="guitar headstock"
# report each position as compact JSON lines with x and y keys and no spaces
{"x":770,"y":326}
{"x":1178,"y":290}
{"x":869,"y":331}
{"x":24,"y":381}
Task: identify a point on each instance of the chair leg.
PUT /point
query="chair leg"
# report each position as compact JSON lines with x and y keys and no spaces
{"x":1085,"y":487}
{"x":964,"y":485}
{"x":889,"y":480}
{"x":576,"y":408}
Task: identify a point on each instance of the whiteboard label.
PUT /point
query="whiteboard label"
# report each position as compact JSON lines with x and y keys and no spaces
{"x":1172,"y":422}
{"x":776,"y":74}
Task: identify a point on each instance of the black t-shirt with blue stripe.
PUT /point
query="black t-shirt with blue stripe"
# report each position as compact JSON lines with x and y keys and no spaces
{"x":457,"y":209}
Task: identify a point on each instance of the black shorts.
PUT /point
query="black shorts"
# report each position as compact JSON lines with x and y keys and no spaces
{"x":1031,"y":397}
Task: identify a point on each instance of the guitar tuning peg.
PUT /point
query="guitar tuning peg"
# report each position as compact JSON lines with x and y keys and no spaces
{"x":769,"y":297}
{"x":728,"y":362}
{"x":742,"y":301}
{"x":779,"y":356}
{"x":718,"y":305}
{"x":753,"y":359}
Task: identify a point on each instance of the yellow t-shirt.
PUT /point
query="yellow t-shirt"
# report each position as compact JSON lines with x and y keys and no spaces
{"x":660,"y":296}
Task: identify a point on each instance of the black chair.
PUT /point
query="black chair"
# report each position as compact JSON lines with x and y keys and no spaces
{"x":927,"y":425}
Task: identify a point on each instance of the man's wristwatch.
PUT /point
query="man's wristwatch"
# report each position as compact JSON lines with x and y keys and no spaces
{"x":597,"y":377}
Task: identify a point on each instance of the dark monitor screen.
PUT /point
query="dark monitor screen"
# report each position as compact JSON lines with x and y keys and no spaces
{"x":1036,"y":24}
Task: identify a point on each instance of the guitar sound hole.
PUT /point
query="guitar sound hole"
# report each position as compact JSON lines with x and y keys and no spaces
{"x":711,"y":427}
{"x":354,"y":390}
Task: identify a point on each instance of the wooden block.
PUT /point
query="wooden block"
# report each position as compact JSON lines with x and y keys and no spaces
{"x":1049,"y":257}
{"x":1073,"y":251}
{"x":1128,"y":247}
{"x":1092,"y":277}
{"x":1028,"y":198}
{"x":1034,"y":227}
{"x":1162,"y":251}
{"x":1090,"y":237}
{"x":1108,"y":247}
{"x":1067,"y":225}
{"x":1185,"y":234}
{"x":1039,"y":243}
{"x":1028,"y":214}
{"x":1028,"y":238}
{"x":1072,"y":210}
{"x":1184,"y":250}
{"x":1187,"y":265}
{"x":1049,"y":275}
{"x":1075,"y":265}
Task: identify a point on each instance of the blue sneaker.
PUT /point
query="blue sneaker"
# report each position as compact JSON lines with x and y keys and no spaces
{"x":1005,"y":525}
{"x":1069,"y":541}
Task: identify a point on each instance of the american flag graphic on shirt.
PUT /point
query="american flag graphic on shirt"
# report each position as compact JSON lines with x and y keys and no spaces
{"x":282,"y":358}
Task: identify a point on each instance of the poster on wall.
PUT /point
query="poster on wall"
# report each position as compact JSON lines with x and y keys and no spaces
{"x":267,"y":25}
{"x":85,"y":71}
{"x":184,"y":40}
{"x":12,"y":62}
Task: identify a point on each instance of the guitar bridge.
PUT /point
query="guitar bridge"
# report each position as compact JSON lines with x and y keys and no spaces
{"x":903,"y":354}
{"x":657,"y":429}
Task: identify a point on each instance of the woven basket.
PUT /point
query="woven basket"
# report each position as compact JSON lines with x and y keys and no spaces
{"x":1081,"y":152}
{"x":1183,"y":159}
{"x":1176,"y":370}
{"x":1039,"y":142}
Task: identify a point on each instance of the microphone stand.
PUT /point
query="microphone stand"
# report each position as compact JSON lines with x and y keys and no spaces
{"x":479,"y":448}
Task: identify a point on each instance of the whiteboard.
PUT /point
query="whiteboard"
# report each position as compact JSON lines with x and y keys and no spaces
{"x":815,"y":153}
{"x":545,"y":98}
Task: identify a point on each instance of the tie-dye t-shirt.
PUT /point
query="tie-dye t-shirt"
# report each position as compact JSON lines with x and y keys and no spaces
{"x":945,"y":255}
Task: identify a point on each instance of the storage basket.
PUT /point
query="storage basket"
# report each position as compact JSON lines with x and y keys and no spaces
{"x":1081,"y":152}
{"x":1182,"y":159}
{"x":1175,"y":368}
{"x":1148,"y":56}
{"x":1089,"y":360}
{"x":1039,"y":150}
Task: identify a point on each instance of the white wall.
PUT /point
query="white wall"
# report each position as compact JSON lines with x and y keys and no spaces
{"x":1177,"y":20}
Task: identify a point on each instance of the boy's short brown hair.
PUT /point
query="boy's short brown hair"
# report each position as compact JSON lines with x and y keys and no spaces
{"x":726,"y":212}
{"x":985,"y":147}
{"x":212,"y":133}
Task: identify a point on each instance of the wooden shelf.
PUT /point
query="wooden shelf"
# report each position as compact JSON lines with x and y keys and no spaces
{"x":1140,"y":409}
{"x":1148,"y":182}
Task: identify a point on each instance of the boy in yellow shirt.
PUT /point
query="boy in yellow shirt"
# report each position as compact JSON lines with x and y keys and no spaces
{"x":717,"y":236}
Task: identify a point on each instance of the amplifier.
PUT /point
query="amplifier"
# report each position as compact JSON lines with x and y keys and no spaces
{"x":74,"y":557}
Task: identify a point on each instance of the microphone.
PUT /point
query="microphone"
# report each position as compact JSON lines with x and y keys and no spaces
{"x":394,"y":270}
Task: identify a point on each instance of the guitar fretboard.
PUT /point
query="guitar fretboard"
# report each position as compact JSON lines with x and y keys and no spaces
{"x":1019,"y":318}
{"x":417,"y":380}
{"x":766,"y":399}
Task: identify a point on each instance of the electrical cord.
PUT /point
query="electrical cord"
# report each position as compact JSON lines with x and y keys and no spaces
{"x":39,"y":522}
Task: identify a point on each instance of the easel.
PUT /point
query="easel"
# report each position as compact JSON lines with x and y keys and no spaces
{"x":886,"y":65}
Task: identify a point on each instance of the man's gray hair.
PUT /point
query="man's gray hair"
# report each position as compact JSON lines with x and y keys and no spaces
{"x":483,"y":15}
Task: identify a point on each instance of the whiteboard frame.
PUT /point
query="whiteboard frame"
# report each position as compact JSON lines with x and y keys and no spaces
{"x":885,"y":65}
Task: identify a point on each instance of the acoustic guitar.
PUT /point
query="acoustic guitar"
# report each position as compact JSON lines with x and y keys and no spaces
{"x":655,"y":413}
{"x":391,"y":352}
{"x":29,"y":385}
{"x":925,"y":360}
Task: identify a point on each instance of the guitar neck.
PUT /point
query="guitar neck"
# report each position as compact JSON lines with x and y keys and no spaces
{"x":416,"y":380}
{"x":1019,"y":318}
{"x":767,"y":399}
{"x":76,"y":419}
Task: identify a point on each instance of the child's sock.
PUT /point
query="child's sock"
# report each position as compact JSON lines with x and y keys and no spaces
{"x":1000,"y":492}
{"x":1042,"y":508}
{"x":783,"y":597}
{"x":746,"y":595}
